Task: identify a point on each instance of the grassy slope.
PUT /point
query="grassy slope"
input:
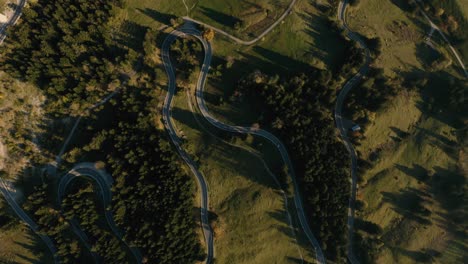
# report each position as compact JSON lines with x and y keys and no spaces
{"x":464,"y":7}
{"x":257,"y":14}
{"x":301,"y":41}
{"x":219,"y":13}
{"x":154,"y":13}
{"x":19,"y":245}
{"x":375,"y":18}
{"x":251,"y":226}
{"x":394,"y":190}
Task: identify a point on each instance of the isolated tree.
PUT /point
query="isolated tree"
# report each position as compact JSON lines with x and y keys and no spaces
{"x":208,"y":34}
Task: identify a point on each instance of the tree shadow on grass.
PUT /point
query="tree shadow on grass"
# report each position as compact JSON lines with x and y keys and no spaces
{"x":417,"y":171}
{"x":37,"y":248}
{"x":221,"y":18}
{"x":280,"y":60}
{"x":156,"y":15}
{"x":450,"y":147}
{"x":295,"y":260}
{"x":420,"y":256}
{"x":448,"y":187}
{"x":329,"y":46}
{"x":409,"y":204}
{"x":131,"y":35}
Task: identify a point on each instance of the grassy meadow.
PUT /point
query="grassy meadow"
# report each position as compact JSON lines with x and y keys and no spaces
{"x":19,"y":244}
{"x":301,"y":41}
{"x":247,"y":208}
{"x":414,"y":190}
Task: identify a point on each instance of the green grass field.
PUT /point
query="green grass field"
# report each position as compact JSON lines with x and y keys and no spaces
{"x":19,"y":244}
{"x":254,"y":16}
{"x":399,"y":34}
{"x":413,"y":189}
{"x":406,"y":179}
{"x":244,"y":18}
{"x":300,"y":42}
{"x":250,"y":220}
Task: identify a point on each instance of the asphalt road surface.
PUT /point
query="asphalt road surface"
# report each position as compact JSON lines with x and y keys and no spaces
{"x":339,"y":124}
{"x":169,"y":125}
{"x":235,"y":129}
{"x":104,"y":184}
{"x":4,"y":188}
{"x":250,"y":42}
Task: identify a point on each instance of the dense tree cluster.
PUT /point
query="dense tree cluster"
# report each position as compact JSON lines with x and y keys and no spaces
{"x":185,"y":52}
{"x":82,"y":203}
{"x":363,"y":101}
{"x":294,"y":111}
{"x":64,"y":47}
{"x":153,"y":199}
{"x":53,"y":223}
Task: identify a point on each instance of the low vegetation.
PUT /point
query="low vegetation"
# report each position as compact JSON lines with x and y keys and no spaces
{"x":411,"y":170}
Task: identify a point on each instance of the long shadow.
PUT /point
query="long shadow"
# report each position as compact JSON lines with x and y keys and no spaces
{"x":329,"y":46}
{"x":294,"y":260}
{"x":418,"y":172}
{"x":221,"y":18}
{"x":156,"y":15}
{"x":409,"y":203}
{"x":403,"y":5}
{"x":448,"y":187}
{"x":285,"y":62}
{"x":131,"y":35}
{"x":232,"y":157}
{"x":420,"y":256}
{"x":437,"y":94}
{"x":426,"y":55}
{"x":37,"y":248}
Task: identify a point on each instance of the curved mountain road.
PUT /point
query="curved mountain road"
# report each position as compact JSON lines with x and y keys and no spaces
{"x":441,"y":33}
{"x":339,"y":124}
{"x":169,"y":125}
{"x":244,"y":42}
{"x":104,"y":182}
{"x":4,"y":188}
{"x":235,"y":129}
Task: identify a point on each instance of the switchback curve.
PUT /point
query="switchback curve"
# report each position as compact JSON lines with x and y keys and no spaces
{"x":104,"y":182}
{"x":235,"y":129}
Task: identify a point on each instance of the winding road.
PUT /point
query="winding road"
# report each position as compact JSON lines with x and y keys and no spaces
{"x":343,"y":132}
{"x":104,"y":182}
{"x":12,"y":20}
{"x":235,"y":129}
{"x":244,"y":42}
{"x":435,"y":27}
{"x":4,"y":187}
{"x":339,"y":108}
